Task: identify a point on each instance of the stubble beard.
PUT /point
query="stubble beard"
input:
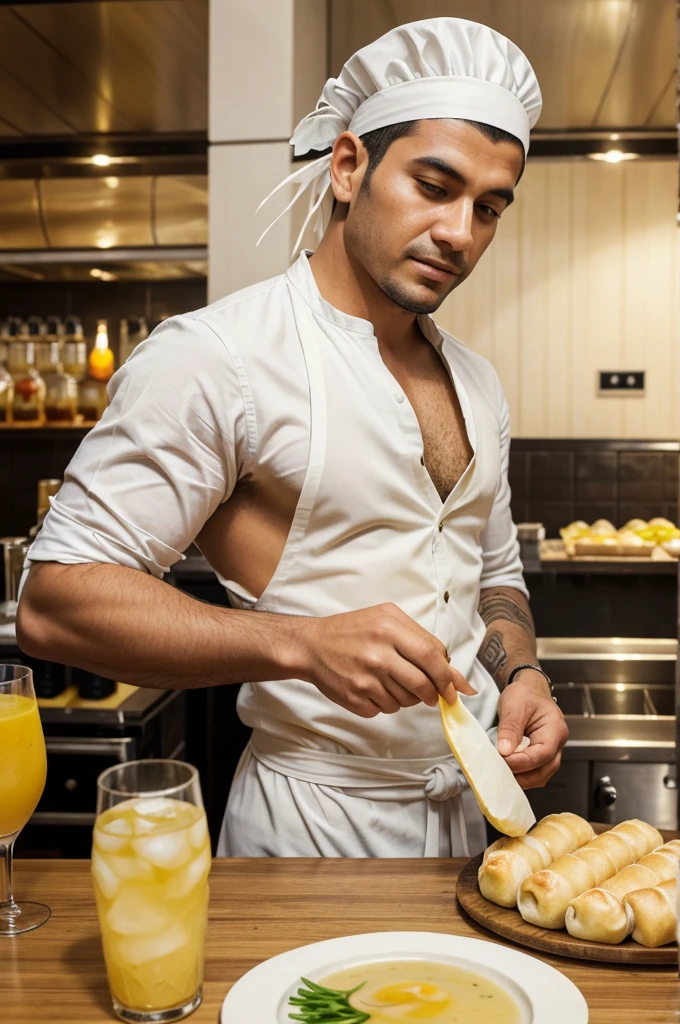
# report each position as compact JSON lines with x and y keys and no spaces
{"x":402,"y":298}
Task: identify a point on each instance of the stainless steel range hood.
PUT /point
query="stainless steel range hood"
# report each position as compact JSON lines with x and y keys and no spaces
{"x":602,"y":64}
{"x":133,"y":221}
{"x":118,"y":78}
{"x":131,"y":66}
{"x":103,"y":212}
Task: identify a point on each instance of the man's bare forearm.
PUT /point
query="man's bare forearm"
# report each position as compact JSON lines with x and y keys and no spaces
{"x":126,"y":625}
{"x":510,"y":638}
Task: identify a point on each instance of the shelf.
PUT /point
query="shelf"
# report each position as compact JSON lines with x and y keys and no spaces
{"x":14,"y":433}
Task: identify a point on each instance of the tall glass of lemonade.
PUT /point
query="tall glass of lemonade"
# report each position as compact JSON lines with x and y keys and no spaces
{"x":150,"y":864}
{"x":23,"y":769}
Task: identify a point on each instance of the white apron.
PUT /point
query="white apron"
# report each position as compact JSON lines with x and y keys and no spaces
{"x":369,"y":527}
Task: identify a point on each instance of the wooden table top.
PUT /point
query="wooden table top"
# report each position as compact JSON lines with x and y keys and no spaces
{"x":259,"y":908}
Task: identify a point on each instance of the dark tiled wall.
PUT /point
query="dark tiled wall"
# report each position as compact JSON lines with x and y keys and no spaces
{"x":553,"y":482}
{"x":556,"y":482}
{"x":27,"y":456}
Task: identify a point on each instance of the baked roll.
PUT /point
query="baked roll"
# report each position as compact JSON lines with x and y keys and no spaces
{"x":543,"y":897}
{"x":652,"y":914}
{"x":507,"y":862}
{"x":599,"y":914}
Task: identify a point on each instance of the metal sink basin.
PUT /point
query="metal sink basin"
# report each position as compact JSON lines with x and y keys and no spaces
{"x":619,"y":700}
{"x":615,"y":700}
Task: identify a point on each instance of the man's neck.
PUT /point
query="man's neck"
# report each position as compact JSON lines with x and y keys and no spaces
{"x":345,"y":285}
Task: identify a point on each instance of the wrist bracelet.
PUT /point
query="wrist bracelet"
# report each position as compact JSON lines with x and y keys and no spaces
{"x":536,"y":668}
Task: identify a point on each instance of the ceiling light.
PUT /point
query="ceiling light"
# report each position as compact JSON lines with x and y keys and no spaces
{"x":106,"y":275}
{"x":96,"y":272}
{"x":613,"y":156}
{"x":615,"y":137}
{"x":101,"y":160}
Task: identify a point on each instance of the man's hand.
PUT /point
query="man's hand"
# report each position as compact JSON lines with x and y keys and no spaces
{"x":526,"y":708}
{"x":377,"y":659}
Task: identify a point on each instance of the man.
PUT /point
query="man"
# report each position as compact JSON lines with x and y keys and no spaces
{"x":343,"y":467}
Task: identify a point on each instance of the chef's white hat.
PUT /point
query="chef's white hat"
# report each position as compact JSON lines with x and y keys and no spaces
{"x":441,"y":67}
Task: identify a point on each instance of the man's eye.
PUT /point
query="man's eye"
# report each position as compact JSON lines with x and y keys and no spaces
{"x":433,"y":190}
{"x":488,"y":210}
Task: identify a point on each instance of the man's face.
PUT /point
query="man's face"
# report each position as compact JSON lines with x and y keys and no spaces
{"x":430,"y":210}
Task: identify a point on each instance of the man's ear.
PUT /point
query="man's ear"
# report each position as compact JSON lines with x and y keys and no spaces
{"x":349,"y":162}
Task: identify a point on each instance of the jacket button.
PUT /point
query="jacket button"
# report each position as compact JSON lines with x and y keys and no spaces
{"x":441,"y":527}
{"x":422,"y":460}
{"x":446,"y":597}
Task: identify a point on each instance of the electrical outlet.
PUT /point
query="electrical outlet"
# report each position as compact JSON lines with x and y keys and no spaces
{"x":621,"y":382}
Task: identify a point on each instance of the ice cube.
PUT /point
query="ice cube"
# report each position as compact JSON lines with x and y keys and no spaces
{"x":142,"y":826}
{"x":198,"y":833}
{"x":133,"y":913}
{"x":108,"y":843}
{"x":170,"y":850}
{"x":129,"y":869}
{"x":182,"y":882}
{"x":142,"y":949}
{"x":160,"y":807}
{"x":104,"y":877}
{"x":112,"y":835}
{"x":118,"y":827}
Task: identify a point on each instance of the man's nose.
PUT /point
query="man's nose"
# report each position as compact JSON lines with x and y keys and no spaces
{"x":454,"y":227}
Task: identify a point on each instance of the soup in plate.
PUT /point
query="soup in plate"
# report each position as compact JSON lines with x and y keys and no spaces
{"x":420,"y":990}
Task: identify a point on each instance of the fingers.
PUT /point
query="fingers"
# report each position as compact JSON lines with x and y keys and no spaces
{"x":461,"y":683}
{"x":510,"y":733}
{"x":535,"y":756}
{"x":363,"y":707}
{"x":414,"y":684}
{"x":406,"y":697}
{"x":539,"y":776}
{"x":428,"y":655}
{"x":521,"y":712}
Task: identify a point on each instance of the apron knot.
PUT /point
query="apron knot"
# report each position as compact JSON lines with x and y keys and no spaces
{"x":444,"y":781}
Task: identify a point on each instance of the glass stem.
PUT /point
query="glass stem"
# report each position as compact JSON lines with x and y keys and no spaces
{"x":7,"y":903}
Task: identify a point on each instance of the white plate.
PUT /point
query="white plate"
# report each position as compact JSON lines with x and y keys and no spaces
{"x":543,"y":994}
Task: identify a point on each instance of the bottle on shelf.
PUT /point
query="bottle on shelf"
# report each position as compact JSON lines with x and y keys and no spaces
{"x":61,"y":390}
{"x":53,"y":333}
{"x":74,"y":349}
{"x":28,"y":406}
{"x":133,"y":330}
{"x":6,"y":379}
{"x":92,"y":398}
{"x":37,"y":332}
{"x":46,"y":489}
{"x":4,"y":343}
{"x":14,"y":551}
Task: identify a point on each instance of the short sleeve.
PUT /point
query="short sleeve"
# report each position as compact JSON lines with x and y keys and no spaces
{"x":502,"y":565}
{"x":167,"y":452}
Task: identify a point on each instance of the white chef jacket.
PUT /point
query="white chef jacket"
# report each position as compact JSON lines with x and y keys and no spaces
{"x":275,"y":380}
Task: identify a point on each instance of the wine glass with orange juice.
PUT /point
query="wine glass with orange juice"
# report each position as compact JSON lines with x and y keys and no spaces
{"x":23,"y":768}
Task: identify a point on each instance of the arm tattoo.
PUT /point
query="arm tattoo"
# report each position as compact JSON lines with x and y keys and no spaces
{"x":498,"y":606}
{"x":493,"y":655}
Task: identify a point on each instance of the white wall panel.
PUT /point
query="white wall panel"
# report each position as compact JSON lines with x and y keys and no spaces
{"x":582,"y":277}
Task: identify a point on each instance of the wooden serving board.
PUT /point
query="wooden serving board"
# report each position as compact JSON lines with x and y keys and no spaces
{"x":510,"y":925}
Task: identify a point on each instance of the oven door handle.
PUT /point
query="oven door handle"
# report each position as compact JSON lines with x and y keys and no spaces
{"x":120,"y":748}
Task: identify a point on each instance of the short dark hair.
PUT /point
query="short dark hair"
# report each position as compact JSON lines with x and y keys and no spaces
{"x":379,"y":141}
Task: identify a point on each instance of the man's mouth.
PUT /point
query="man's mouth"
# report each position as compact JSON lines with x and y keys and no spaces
{"x":435,"y":270}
